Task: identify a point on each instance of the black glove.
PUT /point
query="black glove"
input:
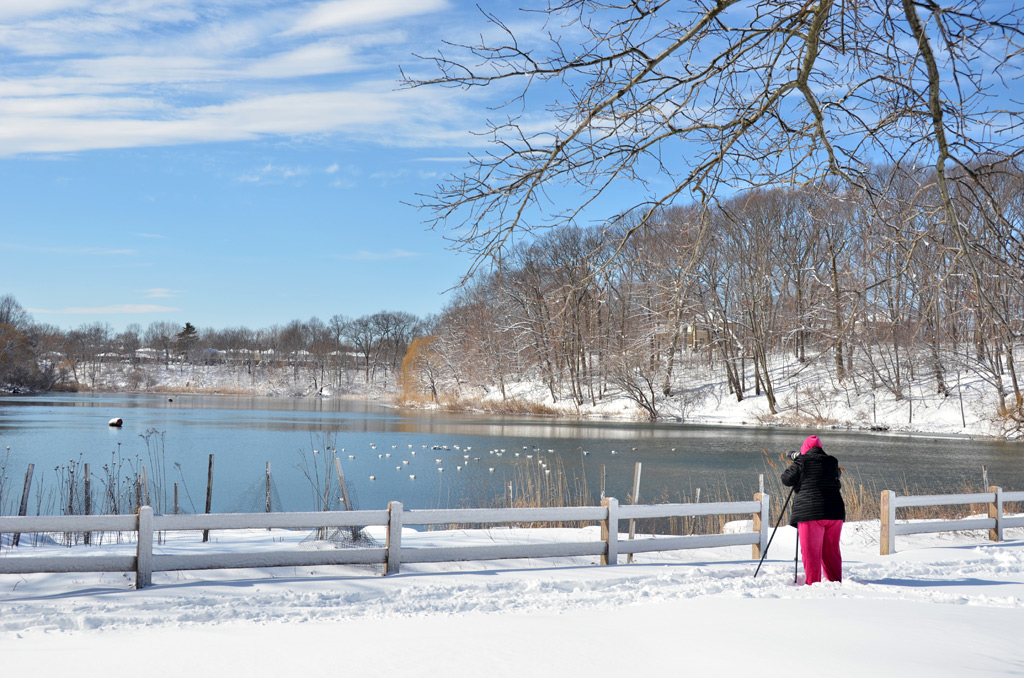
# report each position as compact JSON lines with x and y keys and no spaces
{"x":793,"y":455}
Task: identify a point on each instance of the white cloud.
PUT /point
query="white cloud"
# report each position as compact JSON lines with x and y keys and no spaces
{"x":167,"y":72}
{"x":273,"y":172}
{"x":397,"y":118}
{"x":126,"y":70}
{"x":73,"y":106}
{"x":388,"y":175}
{"x":20,"y":9}
{"x":161,"y":293}
{"x":332,"y":169}
{"x":93,"y":28}
{"x":341,"y":14}
{"x":316,"y":59}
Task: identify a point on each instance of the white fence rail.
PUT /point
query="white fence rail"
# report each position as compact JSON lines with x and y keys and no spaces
{"x":392,"y":555}
{"x":995,"y":523}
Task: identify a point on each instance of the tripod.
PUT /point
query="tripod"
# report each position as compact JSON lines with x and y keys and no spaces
{"x":781,"y":516}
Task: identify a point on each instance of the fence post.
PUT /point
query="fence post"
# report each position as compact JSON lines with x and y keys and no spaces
{"x":995,"y":510}
{"x":887,"y":536}
{"x":761,"y":522}
{"x":268,"y":488}
{"x":87,"y":538}
{"x":636,"y":500}
{"x":610,"y":531}
{"x":394,"y":540}
{"x":23,"y":508}
{"x":209,"y":496}
{"x":144,"y":552}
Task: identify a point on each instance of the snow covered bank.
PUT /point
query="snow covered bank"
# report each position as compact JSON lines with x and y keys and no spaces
{"x":807,"y":397}
{"x":944,"y":605}
{"x":814,"y":400}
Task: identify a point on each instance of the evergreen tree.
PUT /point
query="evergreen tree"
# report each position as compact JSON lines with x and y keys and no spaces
{"x":187,"y":339}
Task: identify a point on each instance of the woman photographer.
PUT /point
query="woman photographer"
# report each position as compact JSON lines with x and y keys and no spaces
{"x":818,"y":510}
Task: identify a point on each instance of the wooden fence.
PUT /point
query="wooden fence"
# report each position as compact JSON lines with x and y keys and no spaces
{"x":145,"y":562}
{"x":995,"y":523}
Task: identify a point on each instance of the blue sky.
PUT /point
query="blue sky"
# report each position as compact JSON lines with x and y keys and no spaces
{"x":226,"y":162}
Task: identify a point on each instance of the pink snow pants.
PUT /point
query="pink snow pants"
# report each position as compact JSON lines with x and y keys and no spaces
{"x":819,"y":546}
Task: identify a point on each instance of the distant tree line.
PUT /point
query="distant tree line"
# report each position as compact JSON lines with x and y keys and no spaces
{"x":35,"y":356}
{"x":875,"y":288}
{"x":739,"y":297}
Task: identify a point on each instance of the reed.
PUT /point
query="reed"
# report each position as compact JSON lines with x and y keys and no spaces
{"x":545,"y":481}
{"x":317,"y":464}
{"x":542,"y":481}
{"x":505,"y":406}
{"x":690,"y":525}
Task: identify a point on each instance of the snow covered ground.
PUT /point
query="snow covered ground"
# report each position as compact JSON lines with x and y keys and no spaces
{"x":943,"y":605}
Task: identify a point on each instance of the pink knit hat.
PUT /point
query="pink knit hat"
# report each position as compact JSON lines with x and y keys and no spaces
{"x":812,"y":441}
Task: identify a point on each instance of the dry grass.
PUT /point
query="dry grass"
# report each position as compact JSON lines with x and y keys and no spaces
{"x":690,"y":525}
{"x":544,"y":482}
{"x":516,"y":406}
{"x":507,"y":406}
{"x":451,"y":403}
{"x":414,"y":400}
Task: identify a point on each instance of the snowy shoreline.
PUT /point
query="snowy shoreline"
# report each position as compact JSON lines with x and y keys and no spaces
{"x":934,"y":421}
{"x":943,"y":605}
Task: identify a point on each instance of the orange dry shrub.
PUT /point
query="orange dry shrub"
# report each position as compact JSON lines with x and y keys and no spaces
{"x":420,"y":372}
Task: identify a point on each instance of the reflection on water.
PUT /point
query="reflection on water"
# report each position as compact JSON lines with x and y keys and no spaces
{"x":404,"y":451}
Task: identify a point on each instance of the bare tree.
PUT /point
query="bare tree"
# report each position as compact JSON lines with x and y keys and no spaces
{"x":22,"y":363}
{"x":694,"y":100}
{"x":161,"y":335}
{"x":129,"y":341}
{"x":322,"y":346}
{"x":84,"y":349}
{"x":361,"y":333}
{"x":394,"y":331}
{"x":12,"y":314}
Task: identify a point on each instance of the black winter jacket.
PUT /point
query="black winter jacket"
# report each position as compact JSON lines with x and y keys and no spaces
{"x":817,"y":491}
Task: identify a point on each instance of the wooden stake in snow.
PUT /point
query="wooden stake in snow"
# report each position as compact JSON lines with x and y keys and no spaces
{"x":71,"y":491}
{"x":209,"y":496}
{"x":87,"y":503}
{"x":24,"y":499}
{"x":636,"y":500}
{"x":268,"y":487}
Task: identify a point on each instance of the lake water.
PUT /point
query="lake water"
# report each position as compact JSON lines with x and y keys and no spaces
{"x":403,"y":451}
